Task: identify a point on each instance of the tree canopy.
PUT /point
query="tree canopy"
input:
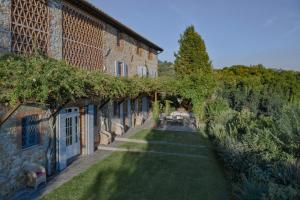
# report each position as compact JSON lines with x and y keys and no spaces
{"x":191,"y":56}
{"x":262,"y":90}
{"x":165,"y":68}
{"x":194,"y":69}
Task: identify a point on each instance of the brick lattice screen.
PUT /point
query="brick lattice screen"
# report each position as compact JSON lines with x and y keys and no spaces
{"x":30,"y":26}
{"x":82,"y":39}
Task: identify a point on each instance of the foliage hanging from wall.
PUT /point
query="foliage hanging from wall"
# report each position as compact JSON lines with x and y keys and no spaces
{"x":48,"y":81}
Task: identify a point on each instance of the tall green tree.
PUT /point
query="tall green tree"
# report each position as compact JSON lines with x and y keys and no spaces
{"x":193,"y":67}
{"x":192,"y":56}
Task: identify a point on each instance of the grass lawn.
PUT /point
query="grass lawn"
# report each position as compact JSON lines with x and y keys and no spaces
{"x":138,"y":176}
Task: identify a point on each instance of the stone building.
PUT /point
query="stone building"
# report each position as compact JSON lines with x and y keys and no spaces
{"x":88,"y":38}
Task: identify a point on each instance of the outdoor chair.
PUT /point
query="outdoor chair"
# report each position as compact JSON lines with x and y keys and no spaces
{"x":35,"y":175}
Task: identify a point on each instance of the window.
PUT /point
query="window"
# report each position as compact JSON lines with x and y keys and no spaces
{"x":152,"y":73}
{"x":125,"y":70}
{"x":68,"y":129}
{"x":119,"y":69}
{"x":142,"y":71}
{"x":30,"y":131}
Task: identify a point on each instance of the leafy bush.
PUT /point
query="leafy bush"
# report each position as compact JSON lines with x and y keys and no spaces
{"x":260,"y":152}
{"x":156,"y":111}
{"x":262,"y":91}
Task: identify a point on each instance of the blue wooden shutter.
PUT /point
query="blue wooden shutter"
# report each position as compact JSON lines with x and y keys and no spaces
{"x":125,"y":70}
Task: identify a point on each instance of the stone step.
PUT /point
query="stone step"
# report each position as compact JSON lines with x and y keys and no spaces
{"x":120,"y":139}
{"x":116,"y":149}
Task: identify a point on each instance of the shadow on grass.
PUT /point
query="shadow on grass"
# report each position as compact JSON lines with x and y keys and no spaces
{"x":137,"y":176}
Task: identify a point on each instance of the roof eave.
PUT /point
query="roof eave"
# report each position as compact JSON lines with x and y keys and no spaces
{"x":110,"y":20}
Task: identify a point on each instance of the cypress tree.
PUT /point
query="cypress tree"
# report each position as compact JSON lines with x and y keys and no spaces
{"x":192,"y":56}
{"x":193,"y":67}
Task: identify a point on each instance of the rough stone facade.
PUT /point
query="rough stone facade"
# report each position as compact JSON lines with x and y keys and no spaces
{"x":56,"y":32}
{"x":5,"y":19}
{"x":111,"y":52}
{"x":13,"y":157}
{"x":127,"y":53}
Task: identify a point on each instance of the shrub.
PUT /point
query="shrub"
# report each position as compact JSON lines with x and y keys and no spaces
{"x":258,"y":151}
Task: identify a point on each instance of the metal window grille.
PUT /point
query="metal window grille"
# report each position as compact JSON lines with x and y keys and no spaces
{"x":29,"y":25}
{"x":30,"y":131}
{"x":82,"y":39}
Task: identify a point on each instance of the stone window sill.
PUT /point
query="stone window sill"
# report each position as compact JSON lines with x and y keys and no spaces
{"x":31,"y":147}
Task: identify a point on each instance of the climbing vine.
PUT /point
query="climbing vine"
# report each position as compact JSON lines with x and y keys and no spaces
{"x":48,"y":81}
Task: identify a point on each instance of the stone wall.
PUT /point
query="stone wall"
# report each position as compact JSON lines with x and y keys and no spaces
{"x":3,"y":110}
{"x":56,"y":38}
{"x":5,"y":19}
{"x":126,"y":53}
{"x":111,"y":51}
{"x":13,"y":157}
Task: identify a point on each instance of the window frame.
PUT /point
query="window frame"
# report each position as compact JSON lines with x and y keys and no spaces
{"x":24,"y":128}
{"x":125,"y":70}
{"x":144,"y":71}
{"x":119,"y":71}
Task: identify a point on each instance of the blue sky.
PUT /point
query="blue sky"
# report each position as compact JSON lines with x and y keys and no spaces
{"x":235,"y":31}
